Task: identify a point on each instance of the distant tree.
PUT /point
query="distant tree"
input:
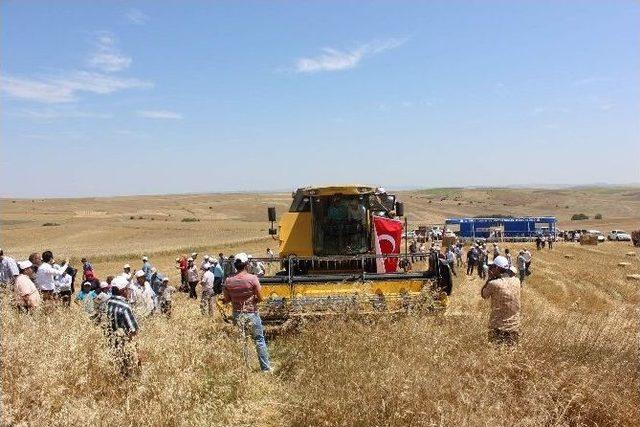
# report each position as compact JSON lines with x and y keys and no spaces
{"x":579,"y":217}
{"x":598,"y":216}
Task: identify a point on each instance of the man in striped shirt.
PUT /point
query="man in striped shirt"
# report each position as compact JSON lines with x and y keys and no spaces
{"x":121,"y":327}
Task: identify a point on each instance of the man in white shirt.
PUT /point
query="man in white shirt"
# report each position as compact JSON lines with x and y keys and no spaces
{"x":207,"y":281}
{"x":8,"y":269}
{"x":143,"y":304}
{"x":63,"y":284}
{"x":46,"y":275}
{"x":205,"y":262}
{"x":126,"y":272}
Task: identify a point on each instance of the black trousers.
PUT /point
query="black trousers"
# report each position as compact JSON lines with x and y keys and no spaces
{"x":192,"y":290}
{"x":217,"y":285}
{"x":65,"y":298}
{"x":470,"y":265}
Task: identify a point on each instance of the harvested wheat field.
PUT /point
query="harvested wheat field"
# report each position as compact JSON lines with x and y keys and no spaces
{"x":576,"y":363}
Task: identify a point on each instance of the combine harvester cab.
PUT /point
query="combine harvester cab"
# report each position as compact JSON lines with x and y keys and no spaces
{"x":340,"y":252}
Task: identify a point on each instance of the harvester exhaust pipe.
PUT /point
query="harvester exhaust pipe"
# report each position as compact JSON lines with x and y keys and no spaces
{"x":400,"y":213}
{"x":271,"y":212}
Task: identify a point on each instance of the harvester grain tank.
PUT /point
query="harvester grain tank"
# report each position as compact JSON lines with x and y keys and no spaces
{"x":340,"y":250}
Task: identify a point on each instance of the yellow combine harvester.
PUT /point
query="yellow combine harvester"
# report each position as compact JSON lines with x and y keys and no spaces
{"x":331,"y":258}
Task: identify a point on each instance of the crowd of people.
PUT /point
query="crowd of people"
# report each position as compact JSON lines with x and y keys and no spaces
{"x":120,"y":301}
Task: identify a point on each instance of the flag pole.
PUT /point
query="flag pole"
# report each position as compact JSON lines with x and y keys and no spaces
{"x":406,"y":244}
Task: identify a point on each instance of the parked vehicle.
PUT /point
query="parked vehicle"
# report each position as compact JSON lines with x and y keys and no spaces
{"x":619,"y":235}
{"x":598,"y":234}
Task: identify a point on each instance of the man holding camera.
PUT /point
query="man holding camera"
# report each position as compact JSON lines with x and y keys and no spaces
{"x":503,"y":290}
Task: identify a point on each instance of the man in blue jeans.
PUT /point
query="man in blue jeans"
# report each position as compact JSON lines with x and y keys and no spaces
{"x":244,"y":292}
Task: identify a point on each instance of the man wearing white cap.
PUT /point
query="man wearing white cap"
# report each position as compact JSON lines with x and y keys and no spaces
{"x":192,"y":278}
{"x":121,"y":326}
{"x":218,"y":276}
{"x":206,"y":299}
{"x":244,"y":292}
{"x":100,"y":301}
{"x":503,"y":290}
{"x":8,"y":269}
{"x":26,"y":294}
{"x":144,"y":297}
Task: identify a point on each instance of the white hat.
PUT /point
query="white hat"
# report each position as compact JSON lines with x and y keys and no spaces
{"x":189,"y":259}
{"x":206,"y":266}
{"x":144,"y":258}
{"x":250,"y":256}
{"x":501,"y":262}
{"x":206,"y":257}
{"x":140,"y":273}
{"x":105,"y":285}
{"x":214,"y":260}
{"x":165,"y":279}
{"x":25,"y":264}
{"x":126,"y":266}
{"x":242,"y":257}
{"x":178,"y":259}
{"x":154,"y":270}
{"x":194,"y":254}
{"x":119,"y":283}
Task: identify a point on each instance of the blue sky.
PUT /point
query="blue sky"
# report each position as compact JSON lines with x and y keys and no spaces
{"x":114,"y":97}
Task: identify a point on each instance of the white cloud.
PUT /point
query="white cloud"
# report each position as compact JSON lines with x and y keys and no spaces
{"x":56,"y":113}
{"x":336,"y":60}
{"x":61,"y":89}
{"x":159,"y":114}
{"x":136,"y":16}
{"x":107,"y":57}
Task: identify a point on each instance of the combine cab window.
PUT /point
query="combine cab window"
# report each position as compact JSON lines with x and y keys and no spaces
{"x":340,"y":225}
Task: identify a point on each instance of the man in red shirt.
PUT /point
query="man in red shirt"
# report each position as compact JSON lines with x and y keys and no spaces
{"x":183,"y":266}
{"x":243,"y":291}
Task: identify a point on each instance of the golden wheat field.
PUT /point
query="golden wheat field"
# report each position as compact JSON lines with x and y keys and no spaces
{"x":577,"y":362}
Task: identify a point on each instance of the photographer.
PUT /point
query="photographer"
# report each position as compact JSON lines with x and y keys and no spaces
{"x":503,"y":290}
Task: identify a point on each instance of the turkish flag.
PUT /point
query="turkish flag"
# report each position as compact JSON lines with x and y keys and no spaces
{"x":388,"y":235}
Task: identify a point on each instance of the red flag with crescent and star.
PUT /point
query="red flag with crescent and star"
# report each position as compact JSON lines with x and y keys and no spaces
{"x":388,"y":235}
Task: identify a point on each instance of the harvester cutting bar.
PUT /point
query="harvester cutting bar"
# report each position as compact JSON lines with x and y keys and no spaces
{"x":362,"y":277}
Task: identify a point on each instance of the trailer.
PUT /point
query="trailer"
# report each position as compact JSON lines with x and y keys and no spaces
{"x":503,"y":228}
